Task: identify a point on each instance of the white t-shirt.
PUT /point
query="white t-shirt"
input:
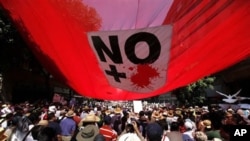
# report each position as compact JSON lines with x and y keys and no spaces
{"x":129,"y":137}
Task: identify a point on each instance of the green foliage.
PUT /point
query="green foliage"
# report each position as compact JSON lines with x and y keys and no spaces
{"x":7,"y":30}
{"x":14,"y":52}
{"x":195,"y":93}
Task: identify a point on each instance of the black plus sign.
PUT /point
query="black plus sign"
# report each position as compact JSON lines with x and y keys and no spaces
{"x":113,"y":72}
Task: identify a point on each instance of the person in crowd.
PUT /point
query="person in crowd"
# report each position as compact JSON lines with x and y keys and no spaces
{"x":68,"y":126}
{"x":188,"y":134}
{"x":76,"y":117}
{"x":200,"y":136}
{"x":85,"y":111}
{"x":124,"y":120}
{"x":131,"y":133}
{"x":6,"y":109}
{"x":22,"y":129}
{"x":154,"y":132}
{"x":116,"y":120}
{"x":143,"y":121}
{"x":90,"y":119}
{"x":12,"y":125}
{"x":35,"y":131}
{"x":181,"y":122}
{"x":52,"y":122}
{"x":88,"y":133}
{"x":107,"y":131}
{"x":47,"y":134}
{"x":99,"y":137}
{"x":174,"y":134}
{"x":210,"y":130}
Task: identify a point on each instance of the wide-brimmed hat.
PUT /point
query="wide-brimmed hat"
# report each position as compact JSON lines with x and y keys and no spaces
{"x":165,"y":113}
{"x":117,"y":110}
{"x":70,"y":113}
{"x":170,"y":113}
{"x":107,"y":112}
{"x":156,"y":115}
{"x":91,"y":118}
{"x":43,"y":122}
{"x":207,"y":123}
{"x":86,"y":108}
{"x":88,"y":133}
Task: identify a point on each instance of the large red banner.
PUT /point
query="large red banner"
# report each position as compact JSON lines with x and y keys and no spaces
{"x":133,"y":49}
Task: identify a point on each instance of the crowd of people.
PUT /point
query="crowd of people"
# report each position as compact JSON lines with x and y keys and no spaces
{"x":44,"y":121}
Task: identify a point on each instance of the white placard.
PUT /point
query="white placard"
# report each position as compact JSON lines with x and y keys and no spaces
{"x":137,"y":106}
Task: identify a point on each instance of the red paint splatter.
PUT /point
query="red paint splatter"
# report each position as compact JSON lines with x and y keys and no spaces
{"x":143,"y":76}
{"x":131,"y":68}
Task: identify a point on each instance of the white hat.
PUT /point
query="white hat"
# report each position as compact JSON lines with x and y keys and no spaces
{"x":52,"y":108}
{"x":188,"y":125}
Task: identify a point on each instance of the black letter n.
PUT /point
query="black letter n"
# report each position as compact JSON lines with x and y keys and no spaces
{"x":100,"y":47}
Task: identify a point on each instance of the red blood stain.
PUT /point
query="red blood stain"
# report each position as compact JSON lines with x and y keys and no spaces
{"x":131,"y":68}
{"x":143,"y":76}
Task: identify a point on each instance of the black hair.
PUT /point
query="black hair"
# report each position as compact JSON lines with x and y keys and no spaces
{"x":47,"y":134}
{"x":130,"y":128}
{"x":99,"y":137}
{"x":174,"y":126}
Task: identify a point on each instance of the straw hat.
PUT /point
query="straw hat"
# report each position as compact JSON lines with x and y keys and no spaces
{"x":165,"y":114}
{"x":156,"y":115}
{"x":43,"y":122}
{"x":107,"y":112}
{"x":207,"y":123}
{"x":170,"y":113}
{"x":70,"y":113}
{"x":91,"y":118}
{"x":117,"y":110}
{"x":86,"y":108}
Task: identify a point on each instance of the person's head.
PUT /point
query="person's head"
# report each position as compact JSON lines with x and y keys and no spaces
{"x":51,"y":116}
{"x":200,"y":136}
{"x":99,"y":137}
{"x":70,"y":114}
{"x":35,"y":130}
{"x":129,"y":128}
{"x":174,"y":126}
{"x":47,"y":134}
{"x":154,"y":131}
{"x":207,"y":124}
{"x":107,"y":120}
{"x":188,"y":125}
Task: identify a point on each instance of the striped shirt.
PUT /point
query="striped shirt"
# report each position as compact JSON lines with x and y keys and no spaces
{"x":108,"y":133}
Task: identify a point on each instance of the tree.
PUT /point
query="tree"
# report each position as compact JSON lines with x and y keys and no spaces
{"x":18,"y":65}
{"x":195,"y":93}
